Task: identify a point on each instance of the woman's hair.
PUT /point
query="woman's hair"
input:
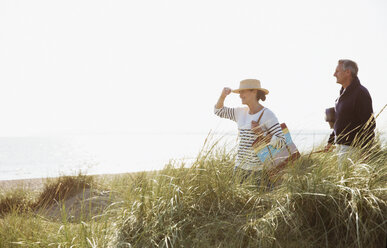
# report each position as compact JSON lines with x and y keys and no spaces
{"x":261,"y":95}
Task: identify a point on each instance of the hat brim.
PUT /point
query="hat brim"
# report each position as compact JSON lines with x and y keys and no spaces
{"x":261,"y":89}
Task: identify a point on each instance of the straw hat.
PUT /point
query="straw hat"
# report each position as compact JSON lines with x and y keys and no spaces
{"x":250,"y":84}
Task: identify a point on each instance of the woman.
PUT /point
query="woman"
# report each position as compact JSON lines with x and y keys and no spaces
{"x":251,"y":92}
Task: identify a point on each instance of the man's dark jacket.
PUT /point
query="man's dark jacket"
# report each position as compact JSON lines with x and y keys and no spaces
{"x":354,"y":124}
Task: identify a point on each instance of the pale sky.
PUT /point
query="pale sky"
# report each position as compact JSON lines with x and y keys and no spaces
{"x":90,"y":66}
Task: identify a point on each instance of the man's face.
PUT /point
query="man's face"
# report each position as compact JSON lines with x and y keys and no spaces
{"x":341,"y":75}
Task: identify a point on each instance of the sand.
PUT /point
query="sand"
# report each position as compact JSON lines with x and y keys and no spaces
{"x":84,"y":205}
{"x":31,"y":184}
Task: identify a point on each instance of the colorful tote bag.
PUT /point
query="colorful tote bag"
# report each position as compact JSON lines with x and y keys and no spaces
{"x":276,"y":159}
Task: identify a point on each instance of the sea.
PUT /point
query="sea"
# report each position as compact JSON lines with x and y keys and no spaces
{"x":52,"y":156}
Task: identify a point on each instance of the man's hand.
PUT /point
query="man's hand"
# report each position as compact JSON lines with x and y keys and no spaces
{"x":329,"y":147}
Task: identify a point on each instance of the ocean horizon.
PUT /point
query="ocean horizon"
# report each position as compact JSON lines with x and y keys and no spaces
{"x":52,"y":156}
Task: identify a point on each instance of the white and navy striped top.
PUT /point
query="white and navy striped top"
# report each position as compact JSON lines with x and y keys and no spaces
{"x":246,"y":158}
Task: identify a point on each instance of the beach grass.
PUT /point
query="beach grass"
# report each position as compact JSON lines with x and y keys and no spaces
{"x":316,"y":203}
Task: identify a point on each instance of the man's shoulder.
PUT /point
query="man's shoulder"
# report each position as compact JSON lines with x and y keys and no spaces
{"x":363,"y":91}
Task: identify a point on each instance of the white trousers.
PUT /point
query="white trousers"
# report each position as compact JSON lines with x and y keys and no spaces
{"x":343,"y":153}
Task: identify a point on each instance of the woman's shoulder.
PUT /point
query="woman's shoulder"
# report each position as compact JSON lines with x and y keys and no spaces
{"x":268,"y":111}
{"x":268,"y":114}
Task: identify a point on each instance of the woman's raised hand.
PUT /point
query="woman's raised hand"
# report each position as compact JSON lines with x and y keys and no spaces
{"x":226,"y":91}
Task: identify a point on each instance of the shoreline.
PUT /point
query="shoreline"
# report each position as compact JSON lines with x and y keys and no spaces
{"x":38,"y":183}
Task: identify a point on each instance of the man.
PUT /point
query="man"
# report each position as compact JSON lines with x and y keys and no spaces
{"x":354,"y":123}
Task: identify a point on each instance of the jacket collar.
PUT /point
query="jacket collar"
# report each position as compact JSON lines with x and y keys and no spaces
{"x":354,"y":84}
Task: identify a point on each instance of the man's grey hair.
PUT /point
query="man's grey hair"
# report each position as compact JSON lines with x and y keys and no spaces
{"x":349,"y":65}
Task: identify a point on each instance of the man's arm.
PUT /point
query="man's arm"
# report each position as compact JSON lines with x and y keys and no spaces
{"x":331,"y":139}
{"x":331,"y":142}
{"x":363,"y":107}
{"x":364,"y":115}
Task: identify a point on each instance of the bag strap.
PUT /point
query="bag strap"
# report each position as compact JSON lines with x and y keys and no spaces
{"x":263,"y":111}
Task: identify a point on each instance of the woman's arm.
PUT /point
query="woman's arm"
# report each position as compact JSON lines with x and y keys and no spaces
{"x":225,"y":92}
{"x":221,"y":110}
{"x":277,"y":139}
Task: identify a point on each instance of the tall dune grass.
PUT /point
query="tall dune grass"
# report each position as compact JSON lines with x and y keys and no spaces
{"x":317,"y":205}
{"x":203,"y":204}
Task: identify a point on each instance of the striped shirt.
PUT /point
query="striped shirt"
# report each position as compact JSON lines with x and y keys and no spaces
{"x":246,"y":158}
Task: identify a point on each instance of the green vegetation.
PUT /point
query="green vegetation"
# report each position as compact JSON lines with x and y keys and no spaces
{"x":316,"y":204}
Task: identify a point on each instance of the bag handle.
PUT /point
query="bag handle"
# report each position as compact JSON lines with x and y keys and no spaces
{"x":258,"y":139}
{"x":259,"y":119}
